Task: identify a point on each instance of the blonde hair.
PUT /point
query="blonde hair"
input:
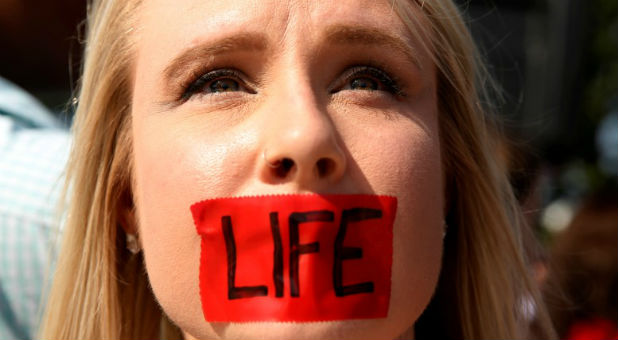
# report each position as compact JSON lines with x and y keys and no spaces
{"x":101,"y":291}
{"x":94,"y":277}
{"x":485,"y":281}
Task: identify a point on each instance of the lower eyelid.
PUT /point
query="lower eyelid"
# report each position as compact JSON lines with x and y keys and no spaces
{"x":220,"y":102}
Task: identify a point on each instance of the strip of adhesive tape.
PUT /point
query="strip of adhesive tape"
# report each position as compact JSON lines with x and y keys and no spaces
{"x":295,"y":257}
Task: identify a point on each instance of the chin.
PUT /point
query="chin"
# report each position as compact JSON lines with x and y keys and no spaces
{"x":353,"y":329}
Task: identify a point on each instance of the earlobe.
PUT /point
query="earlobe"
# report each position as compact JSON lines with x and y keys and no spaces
{"x":126,"y":218}
{"x":126,"y":213}
{"x":127,"y":221}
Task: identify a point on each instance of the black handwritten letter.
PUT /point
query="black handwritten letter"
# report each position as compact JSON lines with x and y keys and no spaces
{"x":347,"y":253}
{"x":297,"y":249}
{"x":234,"y":292}
{"x":278,"y":254}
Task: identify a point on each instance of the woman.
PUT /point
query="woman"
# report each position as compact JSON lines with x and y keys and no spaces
{"x":203,"y":101}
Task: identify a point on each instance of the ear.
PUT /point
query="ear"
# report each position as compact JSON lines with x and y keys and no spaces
{"x":126,"y":213}
{"x":126,"y":219}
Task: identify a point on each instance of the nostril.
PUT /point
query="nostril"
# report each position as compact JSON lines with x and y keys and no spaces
{"x":325,"y":167}
{"x":283,"y":167}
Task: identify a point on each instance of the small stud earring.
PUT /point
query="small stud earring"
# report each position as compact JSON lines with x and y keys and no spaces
{"x":132,"y":244}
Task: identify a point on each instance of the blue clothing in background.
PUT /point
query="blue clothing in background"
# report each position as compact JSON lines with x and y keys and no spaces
{"x":34,"y":147}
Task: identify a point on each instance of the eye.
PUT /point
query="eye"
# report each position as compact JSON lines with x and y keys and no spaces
{"x":223,"y":85}
{"x":364,"y":83}
{"x":366,"y":78}
{"x":217,"y":82}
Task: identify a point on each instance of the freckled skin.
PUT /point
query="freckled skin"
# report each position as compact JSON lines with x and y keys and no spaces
{"x":214,"y":144}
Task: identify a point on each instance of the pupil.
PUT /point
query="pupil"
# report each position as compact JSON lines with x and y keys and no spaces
{"x":224,"y":85}
{"x":364,"y":84}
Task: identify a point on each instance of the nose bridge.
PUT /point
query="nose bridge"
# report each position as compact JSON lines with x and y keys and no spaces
{"x":299,"y":115}
{"x":308,"y":130}
{"x":301,"y":143}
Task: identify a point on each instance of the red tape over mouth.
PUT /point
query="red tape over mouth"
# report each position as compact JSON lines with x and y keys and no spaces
{"x":295,"y":257}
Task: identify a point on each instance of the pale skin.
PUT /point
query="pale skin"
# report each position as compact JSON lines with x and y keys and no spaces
{"x":339,"y":88}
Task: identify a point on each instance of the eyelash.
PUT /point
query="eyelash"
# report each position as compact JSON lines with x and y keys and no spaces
{"x":386,"y":82}
{"x":196,"y":85}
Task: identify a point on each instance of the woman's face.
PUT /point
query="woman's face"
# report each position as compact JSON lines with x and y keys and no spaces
{"x":224,"y":90}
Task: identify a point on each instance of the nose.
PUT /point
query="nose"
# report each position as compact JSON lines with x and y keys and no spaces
{"x":302,"y":146}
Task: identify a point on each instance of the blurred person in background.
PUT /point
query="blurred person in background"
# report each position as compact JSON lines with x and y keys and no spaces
{"x":584,"y":265}
{"x":36,"y":39}
{"x":34,"y":148}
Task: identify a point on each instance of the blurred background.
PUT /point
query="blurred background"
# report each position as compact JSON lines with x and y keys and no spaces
{"x":557,"y":61}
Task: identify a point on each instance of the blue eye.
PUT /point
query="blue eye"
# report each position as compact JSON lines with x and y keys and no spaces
{"x":223,"y":85}
{"x":216,"y":81}
{"x":367,"y":78}
{"x":364,"y":83}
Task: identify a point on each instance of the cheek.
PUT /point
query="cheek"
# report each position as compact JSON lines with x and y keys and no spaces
{"x":172,"y":171}
{"x":409,"y":167}
{"x":170,"y":245}
{"x":417,"y":242}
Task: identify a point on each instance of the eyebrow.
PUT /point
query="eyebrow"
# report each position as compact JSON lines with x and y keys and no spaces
{"x":243,"y":42}
{"x":250,"y":41}
{"x":360,"y":35}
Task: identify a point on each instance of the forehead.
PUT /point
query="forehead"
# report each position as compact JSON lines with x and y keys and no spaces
{"x":175,"y":24}
{"x":276,"y":13}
